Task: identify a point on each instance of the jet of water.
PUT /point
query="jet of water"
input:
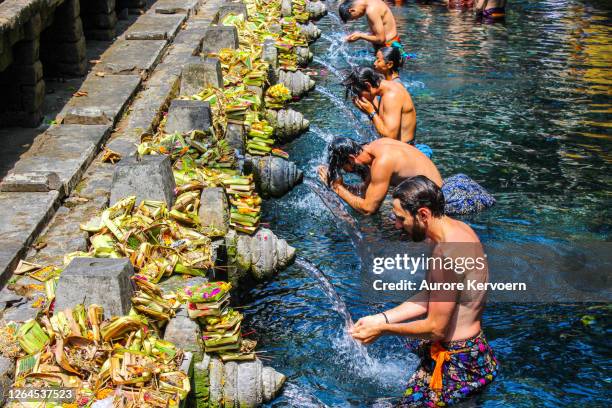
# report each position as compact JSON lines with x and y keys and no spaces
{"x":327,"y":288}
{"x":321,"y":134}
{"x":329,"y":67}
{"x":337,"y":208}
{"x":337,"y":303}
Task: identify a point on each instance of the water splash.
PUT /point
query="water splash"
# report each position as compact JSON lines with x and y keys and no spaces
{"x":335,"y":18}
{"x":321,"y":134}
{"x":328,"y":289}
{"x":352,"y":350}
{"x":341,"y":105}
{"x":390,"y":372}
{"x":300,"y":397}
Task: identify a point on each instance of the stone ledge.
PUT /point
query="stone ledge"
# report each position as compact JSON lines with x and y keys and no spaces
{"x":131,"y":56}
{"x":176,"y":6}
{"x":24,"y":216}
{"x":66,"y":150}
{"x":105,"y":100}
{"x":153,"y":26}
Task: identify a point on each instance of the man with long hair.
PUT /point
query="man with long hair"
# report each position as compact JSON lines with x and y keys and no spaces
{"x":381,"y":164}
{"x":387,"y":103}
{"x":384,"y":163}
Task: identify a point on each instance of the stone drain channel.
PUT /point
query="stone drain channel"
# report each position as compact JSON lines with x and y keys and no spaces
{"x":89,"y":161}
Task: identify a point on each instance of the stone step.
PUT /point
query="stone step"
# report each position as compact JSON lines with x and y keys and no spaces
{"x":66,"y":150}
{"x":23,"y":215}
{"x":103,"y":100}
{"x":153,"y":26}
{"x":131,"y":56}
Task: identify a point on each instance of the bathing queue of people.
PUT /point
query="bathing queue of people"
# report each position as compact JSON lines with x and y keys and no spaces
{"x":456,"y":359}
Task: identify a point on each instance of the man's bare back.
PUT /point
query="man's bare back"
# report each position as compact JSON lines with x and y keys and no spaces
{"x":403,"y":160}
{"x":396,"y":101}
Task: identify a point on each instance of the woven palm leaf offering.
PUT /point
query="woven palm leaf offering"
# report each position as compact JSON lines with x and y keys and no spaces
{"x":260,"y":138}
{"x":120,"y":358}
{"x":157,"y":241}
{"x":299,"y":11}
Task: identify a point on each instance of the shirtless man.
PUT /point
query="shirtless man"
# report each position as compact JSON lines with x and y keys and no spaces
{"x":382,"y":163}
{"x":456,"y":359}
{"x":380,"y":19}
{"x":387,"y":103}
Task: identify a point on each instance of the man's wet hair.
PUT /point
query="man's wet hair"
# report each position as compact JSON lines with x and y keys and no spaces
{"x":394,"y":55}
{"x":355,"y":82}
{"x":418,"y":192}
{"x":338,"y":153}
{"x":343,"y":10}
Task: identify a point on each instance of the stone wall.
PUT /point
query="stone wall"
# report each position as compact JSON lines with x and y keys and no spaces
{"x":36,"y":38}
{"x":47,"y":38}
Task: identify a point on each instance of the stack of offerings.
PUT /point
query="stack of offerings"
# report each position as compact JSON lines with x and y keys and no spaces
{"x":246,"y":204}
{"x":239,"y":102}
{"x":208,"y":303}
{"x":260,"y":138}
{"x":277,"y":96}
{"x":299,"y":11}
{"x":241,"y":68}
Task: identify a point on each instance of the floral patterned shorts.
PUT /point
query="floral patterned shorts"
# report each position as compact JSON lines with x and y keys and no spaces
{"x":466,"y":373}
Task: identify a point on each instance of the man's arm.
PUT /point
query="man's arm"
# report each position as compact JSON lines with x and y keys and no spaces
{"x":388,"y":120}
{"x":433,"y":327}
{"x":412,"y":308}
{"x":440,"y":309}
{"x":378,"y":30}
{"x":375,"y":194}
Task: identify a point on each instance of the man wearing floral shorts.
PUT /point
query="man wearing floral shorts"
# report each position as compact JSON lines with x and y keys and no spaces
{"x":456,"y":359}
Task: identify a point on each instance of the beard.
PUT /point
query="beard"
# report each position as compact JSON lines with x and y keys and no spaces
{"x":417,"y":233}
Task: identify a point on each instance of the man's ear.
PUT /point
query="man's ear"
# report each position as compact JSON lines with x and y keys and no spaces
{"x":424,"y":214}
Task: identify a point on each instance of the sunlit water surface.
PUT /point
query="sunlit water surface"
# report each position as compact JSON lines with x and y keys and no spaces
{"x":524,"y":108}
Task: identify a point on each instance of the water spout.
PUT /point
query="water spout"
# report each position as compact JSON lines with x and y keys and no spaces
{"x":336,"y":207}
